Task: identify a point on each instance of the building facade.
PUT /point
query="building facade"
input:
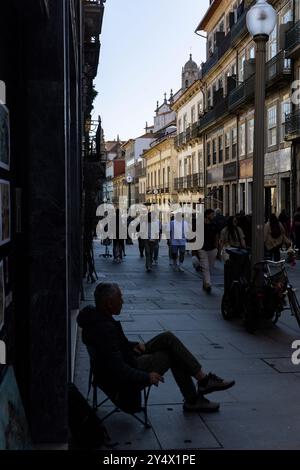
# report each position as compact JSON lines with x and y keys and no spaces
{"x":47,"y":64}
{"x":189,"y":181}
{"x":161,"y":169}
{"x":227,"y":127}
{"x":292,"y":126}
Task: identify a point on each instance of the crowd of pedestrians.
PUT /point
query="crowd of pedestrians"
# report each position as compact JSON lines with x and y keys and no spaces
{"x":220,"y":233}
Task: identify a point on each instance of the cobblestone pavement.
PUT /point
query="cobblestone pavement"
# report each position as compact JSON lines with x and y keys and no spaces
{"x":260,"y":412}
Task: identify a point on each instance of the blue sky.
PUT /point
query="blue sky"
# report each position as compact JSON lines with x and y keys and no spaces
{"x":145,"y":43}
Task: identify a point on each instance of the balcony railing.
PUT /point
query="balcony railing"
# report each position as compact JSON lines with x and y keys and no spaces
{"x":188,"y":134}
{"x":195,"y":130}
{"x":293,"y":39}
{"x":279,"y":69}
{"x":292,"y":126}
{"x":180,"y":139}
{"x":219,"y":110}
{"x":242,"y":94}
{"x":239,"y":29}
{"x":94,"y":10}
{"x":194,"y":181}
{"x":216,"y":56}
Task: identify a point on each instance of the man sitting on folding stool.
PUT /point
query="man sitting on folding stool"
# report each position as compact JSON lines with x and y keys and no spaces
{"x":121,"y":367}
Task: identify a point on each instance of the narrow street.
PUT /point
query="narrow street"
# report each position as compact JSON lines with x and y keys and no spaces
{"x":260,"y":412}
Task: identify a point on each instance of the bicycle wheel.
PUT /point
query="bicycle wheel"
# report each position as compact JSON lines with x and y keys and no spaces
{"x":226,"y":307}
{"x":294,"y":304}
{"x":276,"y":317}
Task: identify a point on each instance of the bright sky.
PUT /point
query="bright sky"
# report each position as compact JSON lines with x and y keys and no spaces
{"x":145,"y":44}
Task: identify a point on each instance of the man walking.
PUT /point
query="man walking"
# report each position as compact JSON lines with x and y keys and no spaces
{"x":209,"y":251}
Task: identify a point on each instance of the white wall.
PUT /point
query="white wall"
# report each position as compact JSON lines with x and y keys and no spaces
{"x":141,"y":144}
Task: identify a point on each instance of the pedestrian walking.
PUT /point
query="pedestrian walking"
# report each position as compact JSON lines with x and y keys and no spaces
{"x":178,"y":232}
{"x":209,"y":251}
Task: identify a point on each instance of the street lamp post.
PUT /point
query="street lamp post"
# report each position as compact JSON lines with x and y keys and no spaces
{"x":261,"y":21}
{"x":129,"y":180}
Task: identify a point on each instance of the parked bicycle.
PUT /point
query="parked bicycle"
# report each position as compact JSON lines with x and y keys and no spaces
{"x":264,"y":296}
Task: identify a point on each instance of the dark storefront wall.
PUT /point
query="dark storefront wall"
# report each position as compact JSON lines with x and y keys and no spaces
{"x":44,"y":253}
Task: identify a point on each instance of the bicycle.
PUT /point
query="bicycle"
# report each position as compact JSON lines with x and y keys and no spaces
{"x":237,"y":274}
{"x":271,"y":293}
{"x":263,"y":296}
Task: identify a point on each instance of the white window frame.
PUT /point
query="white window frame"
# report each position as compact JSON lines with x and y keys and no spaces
{"x":250,"y":135}
{"x":242,"y":140}
{"x":286,"y":108}
{"x":272,"y":116}
{"x":273,"y":44}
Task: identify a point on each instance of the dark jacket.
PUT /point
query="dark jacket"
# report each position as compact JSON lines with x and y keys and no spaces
{"x":112,"y":357}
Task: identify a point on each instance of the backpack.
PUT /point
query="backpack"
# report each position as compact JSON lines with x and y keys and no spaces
{"x":86,"y":429}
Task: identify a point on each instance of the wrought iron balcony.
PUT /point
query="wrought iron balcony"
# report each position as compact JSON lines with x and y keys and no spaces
{"x":218,"y":111}
{"x":293,"y":41}
{"x":180,"y":139}
{"x":242,"y":94}
{"x":239,"y":29}
{"x":178,"y":184}
{"x":216,"y":56}
{"x":292,"y":126}
{"x":195,"y":130}
{"x":279,"y":70}
{"x":188,"y":134}
{"x":93,"y":11}
{"x":189,"y":182}
{"x":197,"y":181}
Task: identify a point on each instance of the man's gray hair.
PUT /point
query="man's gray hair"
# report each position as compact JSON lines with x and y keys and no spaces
{"x":104,"y":291}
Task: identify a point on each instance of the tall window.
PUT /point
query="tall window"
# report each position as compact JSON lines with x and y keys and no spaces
{"x":209,"y":98}
{"x":286,"y":14}
{"x":227,"y":146}
{"x":214,"y":151}
{"x":273,"y":45}
{"x":193,"y":115}
{"x":208,"y":153}
{"x":199,"y":108}
{"x":234,"y":143}
{"x":168,"y":177}
{"x":159,"y":182}
{"x":243,"y":196}
{"x":242,"y":60}
{"x":193,"y":169}
{"x":200,"y":161}
{"x":286,"y":108}
{"x":233,"y":200}
{"x":242,"y":151}
{"x":220,"y":149}
{"x":252,"y":52}
{"x":179,"y":126}
{"x":184,"y":122}
{"x":272,"y":126}
{"x":250,"y":135}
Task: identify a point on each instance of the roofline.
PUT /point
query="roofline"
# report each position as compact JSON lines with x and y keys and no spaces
{"x":211,"y":10}
{"x":159,"y":141}
{"x":176,"y":104}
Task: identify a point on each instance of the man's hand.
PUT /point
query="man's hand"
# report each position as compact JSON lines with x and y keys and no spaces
{"x":140,"y":348}
{"x":155,"y":378}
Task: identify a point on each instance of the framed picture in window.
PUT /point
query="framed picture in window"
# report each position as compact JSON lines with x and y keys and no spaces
{"x":4,"y":138}
{"x":4,"y":212}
